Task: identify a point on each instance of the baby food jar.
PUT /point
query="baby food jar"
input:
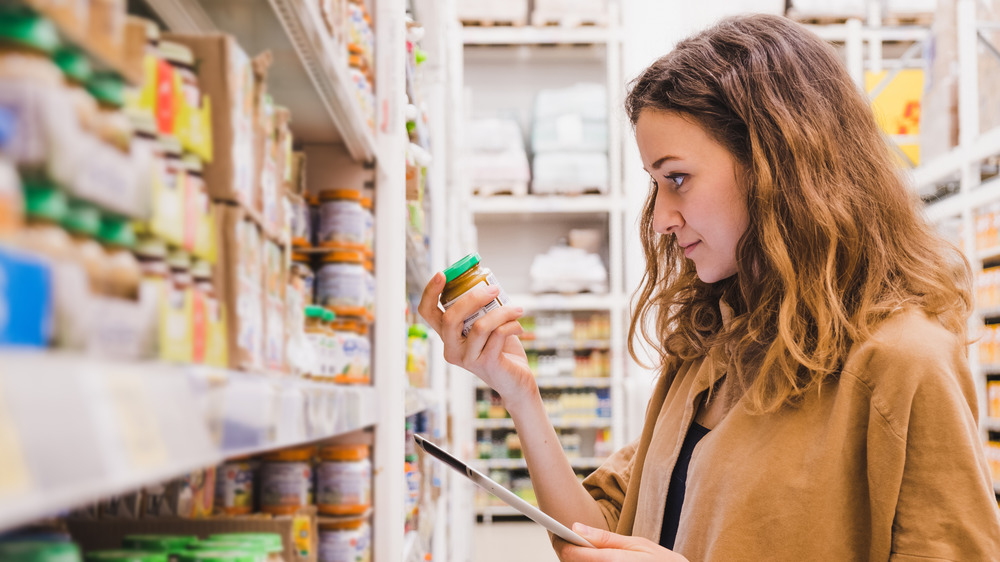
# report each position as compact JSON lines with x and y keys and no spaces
{"x":123,"y":272}
{"x":234,"y":485}
{"x":341,"y":219}
{"x":286,"y":481}
{"x":269,"y":542}
{"x":255,"y":551}
{"x":369,"y":230}
{"x":340,"y":283}
{"x":465,"y":275}
{"x":344,"y":541}
{"x":302,"y":268}
{"x":171,"y":545}
{"x":370,"y":289}
{"x":83,"y":221}
{"x":317,"y":334}
{"x":301,"y":222}
{"x":33,"y":550}
{"x":343,"y":480}
{"x":124,"y":556}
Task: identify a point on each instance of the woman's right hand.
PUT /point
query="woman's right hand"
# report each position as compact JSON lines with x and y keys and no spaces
{"x":492,"y":350}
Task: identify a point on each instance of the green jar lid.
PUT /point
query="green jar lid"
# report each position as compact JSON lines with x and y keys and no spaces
{"x":124,"y":556}
{"x":39,"y":551}
{"x":107,"y":88}
{"x":116,"y":231}
{"x":23,"y":27}
{"x":82,"y":218}
{"x":215,"y":556}
{"x":313,"y":311}
{"x":329,"y":315}
{"x":74,"y":64}
{"x":417,"y":331}
{"x":271,"y":541}
{"x":45,"y":203}
{"x":254,"y":549}
{"x":461,"y":266}
{"x":158,"y":543}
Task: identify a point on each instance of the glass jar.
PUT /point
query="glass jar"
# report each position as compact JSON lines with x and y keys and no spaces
{"x":122,"y":269}
{"x":369,"y":217}
{"x":32,"y":550}
{"x":317,"y":334}
{"x":343,"y":480}
{"x":370,"y":290}
{"x":234,"y":487}
{"x":83,"y":222}
{"x":286,"y":481}
{"x":301,"y":222}
{"x":302,"y":268}
{"x":341,"y":219}
{"x":124,"y":556}
{"x":171,"y":545}
{"x":344,"y":541}
{"x":340,"y":283}
{"x":465,"y":275}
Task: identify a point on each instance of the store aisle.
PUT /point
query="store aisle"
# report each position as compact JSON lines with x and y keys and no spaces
{"x":504,"y":541}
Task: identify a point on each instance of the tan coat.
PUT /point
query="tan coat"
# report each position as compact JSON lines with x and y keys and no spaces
{"x":885,"y":463}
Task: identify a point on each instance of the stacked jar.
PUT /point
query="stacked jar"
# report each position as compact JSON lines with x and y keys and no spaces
{"x":286,"y":483}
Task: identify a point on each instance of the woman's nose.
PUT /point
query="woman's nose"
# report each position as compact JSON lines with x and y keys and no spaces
{"x":666,"y":217}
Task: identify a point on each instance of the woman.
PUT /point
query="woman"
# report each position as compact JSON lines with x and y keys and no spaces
{"x":815,"y":400}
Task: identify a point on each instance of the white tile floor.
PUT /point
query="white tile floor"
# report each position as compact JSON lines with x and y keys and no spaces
{"x":506,"y":541}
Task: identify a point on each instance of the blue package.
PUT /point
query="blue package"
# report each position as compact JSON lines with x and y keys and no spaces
{"x":25,"y":299}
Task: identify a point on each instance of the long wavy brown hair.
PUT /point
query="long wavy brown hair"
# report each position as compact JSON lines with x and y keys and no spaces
{"x":836,"y":241}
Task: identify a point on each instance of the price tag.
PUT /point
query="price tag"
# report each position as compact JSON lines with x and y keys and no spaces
{"x":14,"y":475}
{"x":138,"y":426}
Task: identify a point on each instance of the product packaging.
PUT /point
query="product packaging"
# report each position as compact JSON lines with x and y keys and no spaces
{"x":275,"y":276}
{"x":239,"y":281}
{"x":226,"y":76}
{"x":26,"y":306}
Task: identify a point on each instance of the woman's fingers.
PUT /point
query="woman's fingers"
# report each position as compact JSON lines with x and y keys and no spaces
{"x":497,"y":340}
{"x":468,"y":304}
{"x":428,"y":307}
{"x":483,"y":329}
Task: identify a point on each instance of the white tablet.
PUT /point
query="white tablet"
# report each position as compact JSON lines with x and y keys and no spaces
{"x":510,"y":498}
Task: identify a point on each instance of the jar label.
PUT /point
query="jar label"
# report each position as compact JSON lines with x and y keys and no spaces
{"x":285,"y":484}
{"x":346,"y":484}
{"x":341,"y":222}
{"x":341,"y":285}
{"x":234,"y":488}
{"x":501,"y":300}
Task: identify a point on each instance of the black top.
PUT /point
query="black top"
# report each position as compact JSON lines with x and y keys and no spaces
{"x":678,"y":483}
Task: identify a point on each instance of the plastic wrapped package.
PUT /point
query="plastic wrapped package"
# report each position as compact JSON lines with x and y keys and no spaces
{"x":569,"y":132}
{"x":570,"y":173}
{"x":570,"y":12}
{"x":497,"y":161}
{"x":568,"y":270}
{"x":587,"y":100}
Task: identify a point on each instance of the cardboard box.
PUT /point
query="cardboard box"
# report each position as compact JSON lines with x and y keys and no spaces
{"x":298,"y":532}
{"x":275,"y":276}
{"x":240,"y":285}
{"x":225,"y":75}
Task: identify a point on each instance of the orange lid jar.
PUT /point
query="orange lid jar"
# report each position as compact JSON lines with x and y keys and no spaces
{"x":343,"y":480}
{"x":341,"y":220}
{"x":286,"y":483}
{"x":341,"y":283}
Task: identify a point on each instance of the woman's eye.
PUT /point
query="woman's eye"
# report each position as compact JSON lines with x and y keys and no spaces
{"x":677,"y":179}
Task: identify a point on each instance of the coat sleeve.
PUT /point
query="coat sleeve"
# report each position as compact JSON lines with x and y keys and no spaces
{"x":609,"y":483}
{"x":945,"y":508}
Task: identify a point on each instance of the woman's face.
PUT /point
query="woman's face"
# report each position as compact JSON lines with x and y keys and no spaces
{"x":698,"y":199}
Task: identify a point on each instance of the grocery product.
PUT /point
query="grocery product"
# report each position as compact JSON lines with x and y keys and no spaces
{"x":171,"y":545}
{"x":123,"y":272}
{"x":369,"y":229}
{"x":270,"y":542}
{"x":176,"y":335}
{"x":317,"y":334}
{"x":341,"y":219}
{"x":27,"y":299}
{"x":344,"y":541}
{"x":256,"y":551}
{"x":569,"y":173}
{"x":416,"y":355}
{"x":216,"y":556}
{"x":302,"y":270}
{"x":234,"y":487}
{"x":301,"y":222}
{"x":35,"y":550}
{"x":124,"y":556}
{"x":465,"y":275}
{"x":286,"y":480}
{"x":370,"y":289}
{"x":343,"y":480}
{"x":341,"y":283}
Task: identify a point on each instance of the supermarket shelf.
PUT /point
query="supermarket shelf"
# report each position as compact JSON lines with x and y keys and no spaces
{"x":419,"y":400}
{"x":839,"y":33}
{"x":75,"y":429}
{"x":996,"y":487}
{"x":992,"y":424}
{"x":582,"y":301}
{"x":517,"y":464}
{"x":989,"y":313}
{"x":306,"y":77}
{"x":990,"y":368}
{"x":988,"y":254}
{"x":533,"y":345}
{"x":952,"y":206}
{"x":582,"y":423}
{"x":412,"y":550}
{"x":564,"y":382}
{"x":535,"y":35}
{"x":530,"y":204}
{"x":951,"y":163}
{"x":498,"y":511}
